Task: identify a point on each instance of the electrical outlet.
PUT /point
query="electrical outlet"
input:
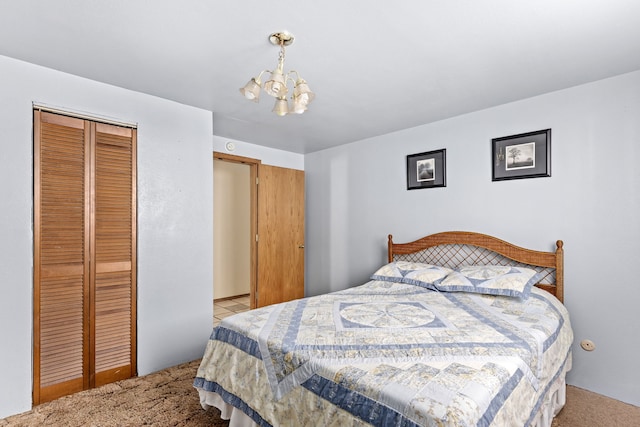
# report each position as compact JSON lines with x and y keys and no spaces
{"x":587,"y":345}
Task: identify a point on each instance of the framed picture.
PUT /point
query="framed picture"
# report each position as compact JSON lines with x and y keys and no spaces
{"x":527,"y":155}
{"x":426,"y":170}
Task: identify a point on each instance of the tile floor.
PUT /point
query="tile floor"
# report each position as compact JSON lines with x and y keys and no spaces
{"x":227,"y":307}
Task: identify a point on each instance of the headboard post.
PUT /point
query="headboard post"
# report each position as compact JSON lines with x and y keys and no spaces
{"x":560,"y":270}
{"x":390,"y":248}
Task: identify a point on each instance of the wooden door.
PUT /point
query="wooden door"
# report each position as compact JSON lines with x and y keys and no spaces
{"x":280,"y":235}
{"x":84,"y":254}
{"x":114,"y":245}
{"x":61,"y":255}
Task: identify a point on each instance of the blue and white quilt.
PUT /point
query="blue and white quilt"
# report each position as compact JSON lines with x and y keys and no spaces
{"x":389,"y":353}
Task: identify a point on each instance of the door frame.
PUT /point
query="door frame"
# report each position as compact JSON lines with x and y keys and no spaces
{"x":253,"y":164}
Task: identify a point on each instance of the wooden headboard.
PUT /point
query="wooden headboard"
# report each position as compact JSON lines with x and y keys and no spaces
{"x":455,"y":248}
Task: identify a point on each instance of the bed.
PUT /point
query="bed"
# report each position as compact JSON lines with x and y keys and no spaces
{"x":455,"y":329}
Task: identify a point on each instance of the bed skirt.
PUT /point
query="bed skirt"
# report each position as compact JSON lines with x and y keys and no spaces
{"x":236,"y":417}
{"x":554,"y":399}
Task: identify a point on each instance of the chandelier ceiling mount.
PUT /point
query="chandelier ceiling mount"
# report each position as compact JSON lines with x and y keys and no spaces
{"x":281,"y":38}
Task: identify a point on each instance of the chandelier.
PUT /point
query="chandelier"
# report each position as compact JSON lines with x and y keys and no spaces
{"x":276,"y":84}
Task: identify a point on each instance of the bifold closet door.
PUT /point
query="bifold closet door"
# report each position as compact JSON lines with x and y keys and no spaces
{"x":113,"y":243}
{"x":61,"y":255}
{"x":84,"y":254}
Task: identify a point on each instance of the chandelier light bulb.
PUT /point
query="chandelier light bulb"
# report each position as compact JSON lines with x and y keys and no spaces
{"x":251,"y":90}
{"x":281,"y":107}
{"x":276,"y":85}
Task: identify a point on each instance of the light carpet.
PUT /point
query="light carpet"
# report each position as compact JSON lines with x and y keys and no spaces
{"x":167,"y":398}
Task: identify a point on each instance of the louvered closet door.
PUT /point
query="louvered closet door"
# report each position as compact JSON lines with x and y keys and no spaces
{"x":115,"y":254}
{"x":61,"y":255}
{"x":84,"y":254}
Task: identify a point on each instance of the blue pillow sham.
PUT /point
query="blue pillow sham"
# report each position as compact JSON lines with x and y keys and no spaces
{"x":482,"y":279}
{"x":413,"y":273}
{"x":491,"y":280}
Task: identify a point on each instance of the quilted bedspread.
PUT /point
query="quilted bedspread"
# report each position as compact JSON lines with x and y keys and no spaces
{"x":390,"y":354}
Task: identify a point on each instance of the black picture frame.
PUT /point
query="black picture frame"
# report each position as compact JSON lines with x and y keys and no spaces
{"x":526,"y":155}
{"x":427,"y":170}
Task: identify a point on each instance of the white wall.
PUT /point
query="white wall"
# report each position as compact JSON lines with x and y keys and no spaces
{"x":268,"y":156}
{"x":356,"y":195}
{"x":175,"y":195}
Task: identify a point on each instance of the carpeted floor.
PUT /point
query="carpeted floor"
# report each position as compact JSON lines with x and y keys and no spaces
{"x":164,"y":398}
{"x":167,"y":398}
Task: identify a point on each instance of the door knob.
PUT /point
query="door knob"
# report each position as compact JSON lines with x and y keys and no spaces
{"x":301,"y":246}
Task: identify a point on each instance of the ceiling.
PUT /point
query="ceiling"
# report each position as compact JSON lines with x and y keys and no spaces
{"x":376,"y":67}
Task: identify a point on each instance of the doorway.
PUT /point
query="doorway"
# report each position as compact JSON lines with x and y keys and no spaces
{"x":234,"y":225}
{"x":271,"y":247}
